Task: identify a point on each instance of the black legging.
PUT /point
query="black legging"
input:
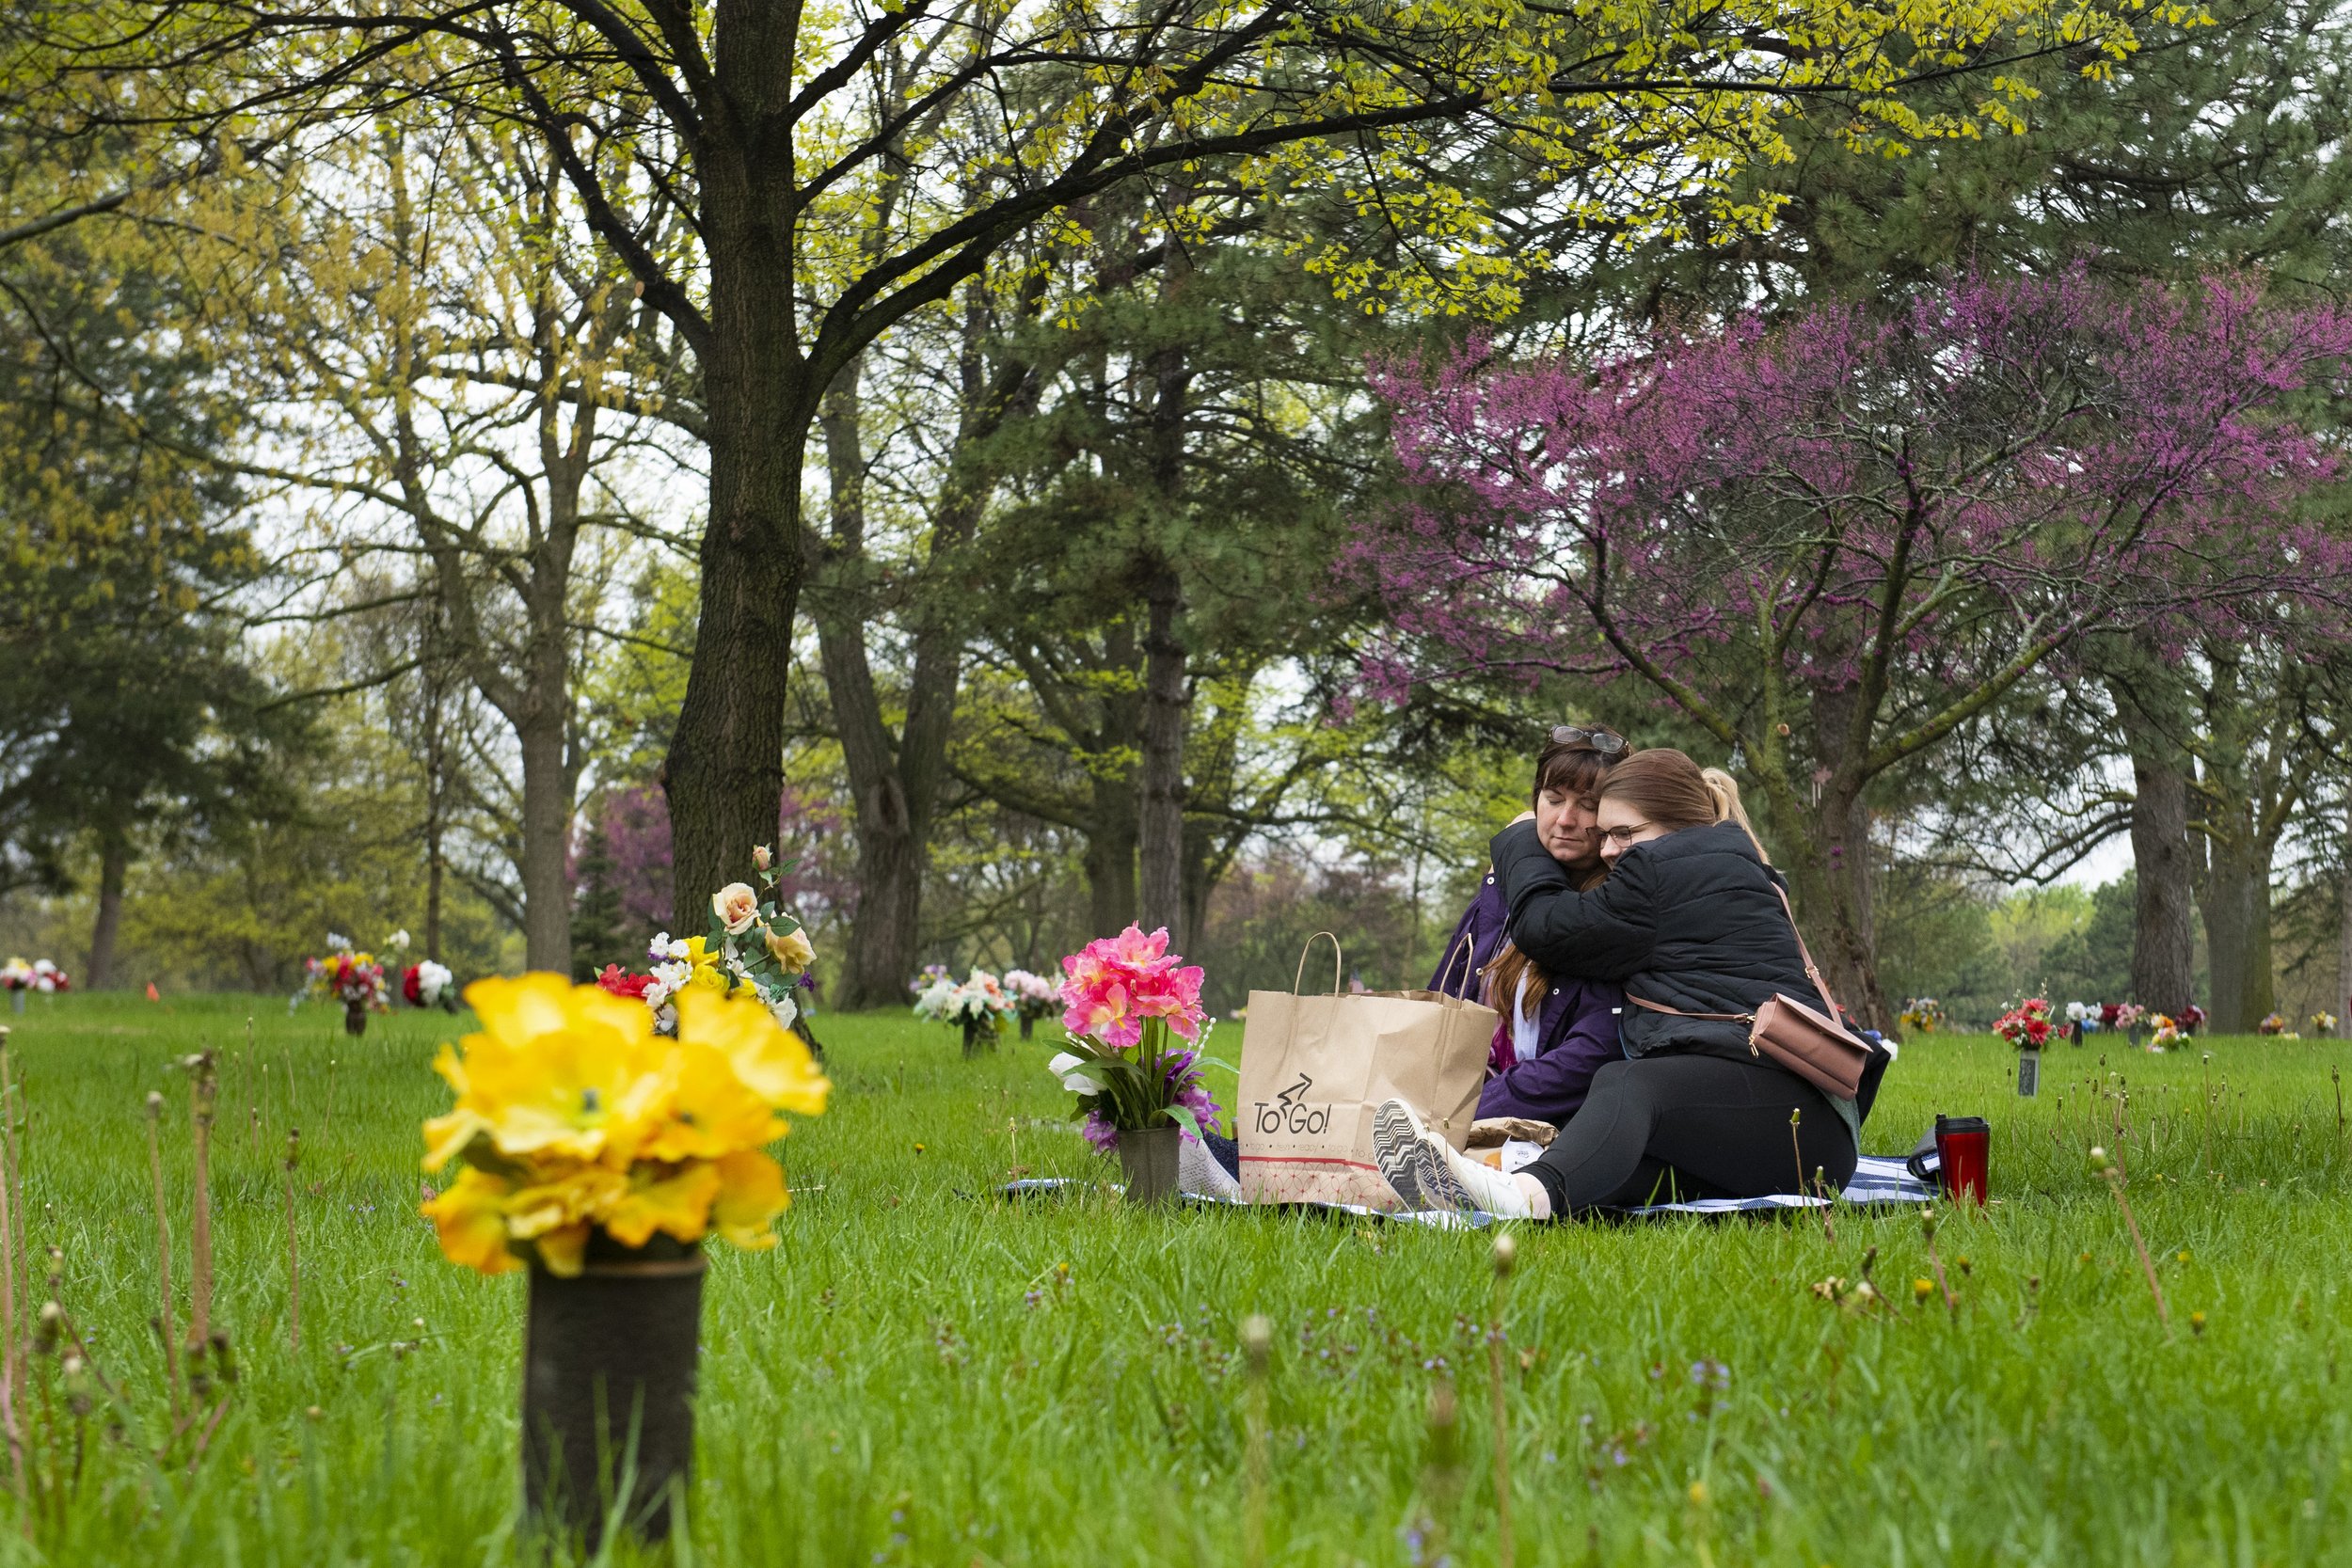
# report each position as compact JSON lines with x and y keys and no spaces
{"x":1680,"y":1126}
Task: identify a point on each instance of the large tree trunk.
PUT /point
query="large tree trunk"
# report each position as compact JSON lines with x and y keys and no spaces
{"x":1161,"y":826}
{"x":2166,"y":858}
{"x":435,"y":798}
{"x":2164,"y":936}
{"x":1111,"y":856}
{"x":114,"y":863}
{"x":724,"y":772}
{"x":2341,"y":1006}
{"x":1846,"y":951}
{"x":1837,"y":852}
{"x":547,"y":842}
{"x":2237,"y":935}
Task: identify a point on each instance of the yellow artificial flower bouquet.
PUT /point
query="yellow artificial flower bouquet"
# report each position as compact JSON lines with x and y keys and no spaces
{"x":572,"y":1114}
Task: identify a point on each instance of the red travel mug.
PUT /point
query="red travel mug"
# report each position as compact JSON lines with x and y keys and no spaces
{"x":1963,"y":1147}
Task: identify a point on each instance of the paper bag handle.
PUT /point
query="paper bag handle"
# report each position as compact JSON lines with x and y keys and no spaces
{"x":1299,"y":977}
{"x":1468,"y":965}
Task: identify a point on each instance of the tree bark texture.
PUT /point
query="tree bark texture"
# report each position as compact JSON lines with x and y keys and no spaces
{"x":1110,"y":855}
{"x":725,"y":770}
{"x":114,"y":864}
{"x":2164,"y":936}
{"x":2255,"y":772}
{"x":436,"y":805}
{"x":1837,"y":872}
{"x":2341,"y":1006}
{"x":1160,"y":821}
{"x":546,"y":842}
{"x":2237,"y":936}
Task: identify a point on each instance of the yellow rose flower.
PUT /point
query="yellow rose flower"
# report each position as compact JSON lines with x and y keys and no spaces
{"x":768,"y":1057}
{"x":708,"y":974}
{"x":736,"y":906}
{"x":751,"y":1195}
{"x":558,"y":1071}
{"x":791,"y":948}
{"x":469,"y":1218}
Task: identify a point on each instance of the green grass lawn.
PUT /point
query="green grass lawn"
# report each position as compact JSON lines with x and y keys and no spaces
{"x":918,"y":1375}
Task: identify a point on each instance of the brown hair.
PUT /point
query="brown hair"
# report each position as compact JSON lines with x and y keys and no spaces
{"x":1673,"y":792}
{"x":1573,"y":768}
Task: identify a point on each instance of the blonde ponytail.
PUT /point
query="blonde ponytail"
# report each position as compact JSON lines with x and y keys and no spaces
{"x":1726,"y":789}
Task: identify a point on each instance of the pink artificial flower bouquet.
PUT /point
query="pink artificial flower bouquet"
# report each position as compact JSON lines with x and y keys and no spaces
{"x":1127,"y":1000}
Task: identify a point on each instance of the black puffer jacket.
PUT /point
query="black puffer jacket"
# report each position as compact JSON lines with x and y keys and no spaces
{"x":1691,"y":919}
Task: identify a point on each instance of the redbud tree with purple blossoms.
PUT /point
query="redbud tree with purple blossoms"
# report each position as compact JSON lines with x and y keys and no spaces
{"x":1833,"y":541}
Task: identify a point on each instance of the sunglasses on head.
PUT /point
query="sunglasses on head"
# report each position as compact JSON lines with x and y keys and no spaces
{"x":1608,"y":743}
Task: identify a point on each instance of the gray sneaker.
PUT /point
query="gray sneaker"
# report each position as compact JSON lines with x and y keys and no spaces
{"x":1396,"y":1143}
{"x":1433,"y":1167}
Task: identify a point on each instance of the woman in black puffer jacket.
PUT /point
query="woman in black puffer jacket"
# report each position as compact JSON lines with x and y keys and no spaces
{"x":1690,"y":918}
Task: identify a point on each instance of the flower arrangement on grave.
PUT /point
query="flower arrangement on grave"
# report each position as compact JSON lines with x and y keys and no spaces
{"x":929,"y":977}
{"x":2125,"y":1016}
{"x":2027,"y":1026}
{"x":2165,"y":1031}
{"x":350,"y":978}
{"x":573,"y":1115}
{"x":979,"y":1005}
{"x":39,"y":976}
{"x":2273,"y":1024}
{"x":1137,"y":1033}
{"x":1034,"y":997}
{"x":1922,"y":1015}
{"x":752,"y":948}
{"x":428,"y":984}
{"x":2323,"y":1023}
{"x":2191,"y":1019}
{"x":601,"y":1154}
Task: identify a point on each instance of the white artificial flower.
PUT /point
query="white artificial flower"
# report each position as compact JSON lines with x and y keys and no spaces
{"x":1072,"y":1071}
{"x":784,"y":1008}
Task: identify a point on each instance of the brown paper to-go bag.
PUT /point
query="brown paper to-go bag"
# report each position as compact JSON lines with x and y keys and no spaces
{"x":1313,"y":1068}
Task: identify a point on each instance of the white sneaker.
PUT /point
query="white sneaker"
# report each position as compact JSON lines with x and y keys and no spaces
{"x":1442,"y":1178}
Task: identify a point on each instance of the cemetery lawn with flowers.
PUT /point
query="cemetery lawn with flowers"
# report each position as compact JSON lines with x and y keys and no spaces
{"x":924,"y":1373}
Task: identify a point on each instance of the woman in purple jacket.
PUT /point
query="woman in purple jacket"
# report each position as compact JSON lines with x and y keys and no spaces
{"x":1555,"y":1033}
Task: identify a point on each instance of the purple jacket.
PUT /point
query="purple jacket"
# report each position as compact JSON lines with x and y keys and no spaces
{"x":1577,"y":1026}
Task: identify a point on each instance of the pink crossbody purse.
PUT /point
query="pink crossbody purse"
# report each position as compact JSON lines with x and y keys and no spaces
{"x":1813,"y":1045}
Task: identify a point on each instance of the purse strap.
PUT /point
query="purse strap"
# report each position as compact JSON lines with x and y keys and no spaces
{"x":1812,"y":972}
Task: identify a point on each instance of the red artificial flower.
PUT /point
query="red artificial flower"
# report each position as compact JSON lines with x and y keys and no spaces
{"x":2037,"y":1030}
{"x":411,"y":987}
{"x":631,"y":986}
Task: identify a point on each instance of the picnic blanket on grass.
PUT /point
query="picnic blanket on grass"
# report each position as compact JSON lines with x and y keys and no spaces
{"x":1878,"y":1179}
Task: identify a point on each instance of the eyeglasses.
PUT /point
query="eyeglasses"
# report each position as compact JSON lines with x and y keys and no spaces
{"x":1624,"y":833}
{"x":1608,"y":743}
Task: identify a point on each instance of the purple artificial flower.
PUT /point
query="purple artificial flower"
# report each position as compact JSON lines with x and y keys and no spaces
{"x":1195,"y":1096}
{"x":1100,"y":1132}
